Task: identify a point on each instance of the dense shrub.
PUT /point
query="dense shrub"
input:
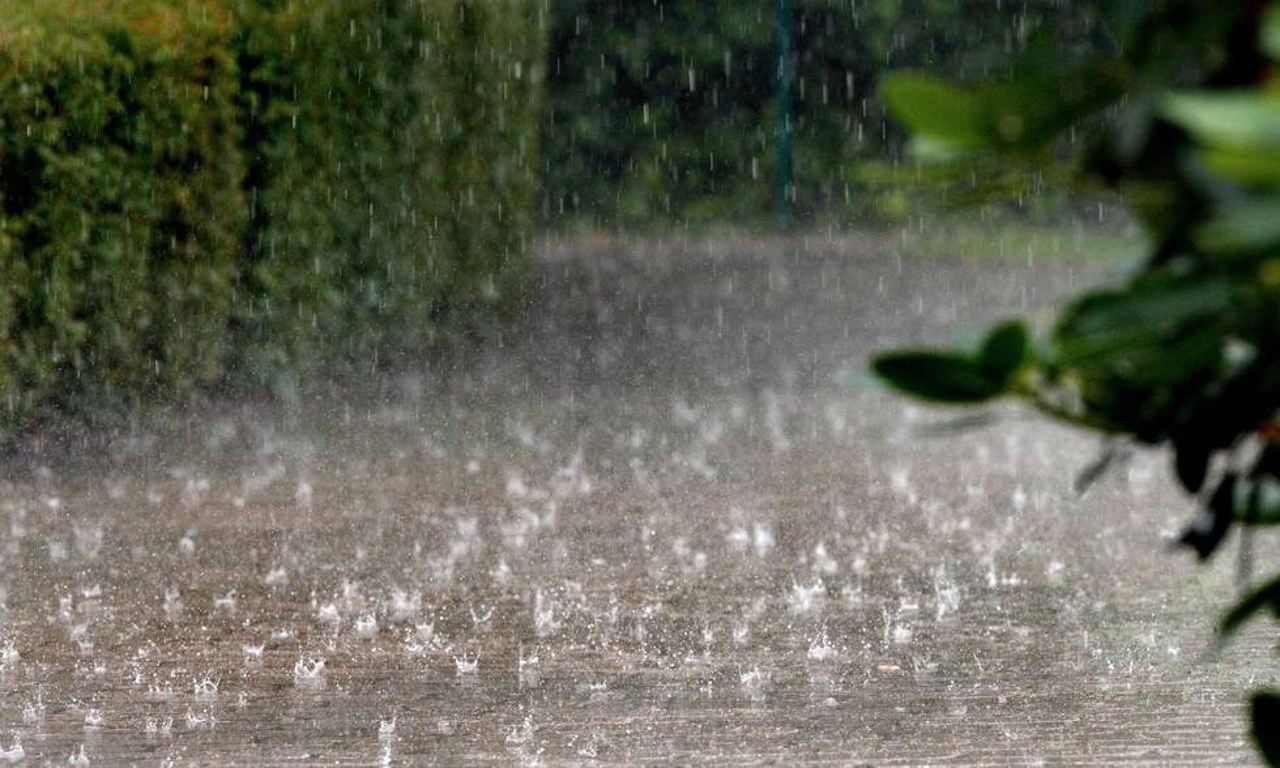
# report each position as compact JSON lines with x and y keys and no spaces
{"x":214,"y":191}
{"x":391,"y":158}
{"x":120,"y":203}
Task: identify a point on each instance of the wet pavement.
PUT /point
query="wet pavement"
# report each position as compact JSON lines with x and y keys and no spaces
{"x":668,"y":519}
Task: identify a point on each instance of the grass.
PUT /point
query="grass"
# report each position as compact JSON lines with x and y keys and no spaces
{"x":1022,"y":241}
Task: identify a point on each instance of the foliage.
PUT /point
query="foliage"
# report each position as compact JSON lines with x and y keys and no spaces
{"x":1182,"y":118}
{"x":997,"y":235}
{"x":120,"y":208}
{"x":665,"y":111}
{"x":390,"y":174}
{"x":202,"y":192}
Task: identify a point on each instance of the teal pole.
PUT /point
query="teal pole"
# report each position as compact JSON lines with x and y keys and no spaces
{"x":783,"y":178}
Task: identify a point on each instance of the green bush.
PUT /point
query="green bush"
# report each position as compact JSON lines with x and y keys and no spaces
{"x":200,"y":192}
{"x":120,"y":207}
{"x":391,"y":158}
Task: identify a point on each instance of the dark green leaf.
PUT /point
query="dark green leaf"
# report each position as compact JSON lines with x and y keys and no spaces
{"x":1244,"y":225}
{"x":1191,"y":462}
{"x":1004,"y":350}
{"x":1230,"y":118}
{"x":1156,"y":302}
{"x":1266,"y":597}
{"x":1265,"y":714}
{"x":1105,"y":326}
{"x":1259,"y":166}
{"x":1262,"y":506}
{"x":938,"y":376}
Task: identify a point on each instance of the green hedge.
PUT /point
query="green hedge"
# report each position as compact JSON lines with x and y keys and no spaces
{"x":197,"y":192}
{"x":120,"y":203}
{"x":663,"y":113}
{"x":391,"y":150}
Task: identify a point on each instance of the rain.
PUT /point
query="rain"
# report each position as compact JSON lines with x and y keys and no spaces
{"x":663,"y":514}
{"x":664,"y":524}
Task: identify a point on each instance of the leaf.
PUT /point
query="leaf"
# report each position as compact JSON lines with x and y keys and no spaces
{"x":939,"y":112}
{"x":1230,"y":118}
{"x":1046,"y":98}
{"x":968,"y":422}
{"x":1262,"y":506}
{"x":1269,"y":32}
{"x":1113,"y":453}
{"x":1211,"y":526}
{"x":1254,"y":165}
{"x":1191,"y":462}
{"x":1265,"y":597}
{"x":934,"y":149}
{"x":1106,"y":325}
{"x":1265,"y":715}
{"x":1245,"y":225}
{"x":1005,"y":350}
{"x":942,"y":377}
{"x":1242,"y":396}
{"x":1155,"y":301}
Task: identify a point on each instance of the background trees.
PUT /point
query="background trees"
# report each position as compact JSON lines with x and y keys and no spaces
{"x":666,"y":111}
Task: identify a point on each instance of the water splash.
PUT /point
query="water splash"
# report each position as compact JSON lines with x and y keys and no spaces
{"x":820,"y":648}
{"x":14,"y":753}
{"x":309,"y":672}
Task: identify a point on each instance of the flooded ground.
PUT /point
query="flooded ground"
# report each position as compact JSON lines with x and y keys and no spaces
{"x":667,"y":520}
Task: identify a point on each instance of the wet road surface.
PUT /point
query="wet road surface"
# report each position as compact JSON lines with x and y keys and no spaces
{"x":667,"y":519}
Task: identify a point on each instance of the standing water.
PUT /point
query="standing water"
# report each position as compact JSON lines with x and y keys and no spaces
{"x":667,"y":519}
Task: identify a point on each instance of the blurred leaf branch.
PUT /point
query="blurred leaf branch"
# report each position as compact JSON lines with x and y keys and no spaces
{"x":1181,"y":115}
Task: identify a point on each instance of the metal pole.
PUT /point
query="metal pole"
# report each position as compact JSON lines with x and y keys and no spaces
{"x":783,"y":180}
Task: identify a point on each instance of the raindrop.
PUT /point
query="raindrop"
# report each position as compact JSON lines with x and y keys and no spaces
{"x":14,"y":753}
{"x":308,"y":672}
{"x":946,"y":593}
{"x":465,"y":665}
{"x":225,"y":603}
{"x":820,"y":648}
{"x":9,"y":655}
{"x":206,"y":688}
{"x":33,"y":711}
{"x":276,"y":578}
{"x":366,"y":627}
{"x":522,"y":733}
{"x":329,"y":616}
{"x":804,"y":599}
{"x":200,"y":721}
